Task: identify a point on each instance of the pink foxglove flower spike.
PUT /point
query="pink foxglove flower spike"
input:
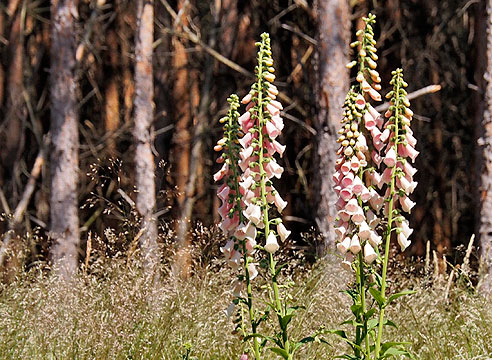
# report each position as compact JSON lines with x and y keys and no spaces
{"x":373,"y":180}
{"x":235,"y":224}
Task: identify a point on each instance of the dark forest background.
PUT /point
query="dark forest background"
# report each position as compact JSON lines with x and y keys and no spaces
{"x":203,"y":51}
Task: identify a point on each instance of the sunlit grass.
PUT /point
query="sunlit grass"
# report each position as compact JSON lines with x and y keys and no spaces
{"x":119,"y":316}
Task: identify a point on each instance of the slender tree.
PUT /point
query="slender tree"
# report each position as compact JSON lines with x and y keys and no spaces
{"x":484,"y":135}
{"x":65,"y":137}
{"x":186,"y":99}
{"x":144,"y":114}
{"x":333,"y":81}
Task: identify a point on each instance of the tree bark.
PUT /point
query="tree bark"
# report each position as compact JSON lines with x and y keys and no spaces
{"x":331,"y":89}
{"x":12,"y":142}
{"x":195,"y":178}
{"x":144,"y":115}
{"x":112,"y":101}
{"x":65,"y":138}
{"x":186,"y":99}
{"x":484,"y":139}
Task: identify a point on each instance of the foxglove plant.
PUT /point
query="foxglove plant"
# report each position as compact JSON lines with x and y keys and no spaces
{"x":242,"y":237}
{"x":251,"y":212}
{"x":262,"y":124}
{"x":372,"y":159}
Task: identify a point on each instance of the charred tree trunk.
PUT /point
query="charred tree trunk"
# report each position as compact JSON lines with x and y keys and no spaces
{"x":332,"y":86}
{"x":144,"y":114}
{"x":484,"y":132}
{"x":65,"y":138}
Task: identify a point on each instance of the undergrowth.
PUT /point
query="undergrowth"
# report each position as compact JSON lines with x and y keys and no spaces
{"x":114,"y":313}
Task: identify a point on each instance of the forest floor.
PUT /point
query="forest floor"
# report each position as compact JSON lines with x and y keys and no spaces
{"x":114,"y":313}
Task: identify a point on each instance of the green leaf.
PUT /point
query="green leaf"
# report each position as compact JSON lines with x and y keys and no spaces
{"x":352,"y":322}
{"x":340,"y":333}
{"x":370,"y":313}
{"x":292,"y":309}
{"x":377,"y":296}
{"x":397,"y":295}
{"x":396,"y":351}
{"x":393,"y":348}
{"x":280,"y":352}
{"x":390,"y":323}
{"x":356,"y":309}
{"x":285,"y":320}
{"x":371,"y":324}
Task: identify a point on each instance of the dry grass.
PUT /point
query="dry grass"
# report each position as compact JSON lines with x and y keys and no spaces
{"x":114,"y":314}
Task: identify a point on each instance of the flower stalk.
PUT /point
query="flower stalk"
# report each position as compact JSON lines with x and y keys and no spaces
{"x":230,"y":157}
{"x":372,"y":158}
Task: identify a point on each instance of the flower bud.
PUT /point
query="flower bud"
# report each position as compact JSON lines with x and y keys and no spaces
{"x":269,"y":77}
{"x":351,"y":64}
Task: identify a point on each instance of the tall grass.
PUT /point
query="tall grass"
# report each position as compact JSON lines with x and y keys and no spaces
{"x":113,"y":313}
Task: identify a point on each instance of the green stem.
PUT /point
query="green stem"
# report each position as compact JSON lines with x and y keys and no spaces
{"x":265,"y":207}
{"x":390,"y":222}
{"x":363,"y":302}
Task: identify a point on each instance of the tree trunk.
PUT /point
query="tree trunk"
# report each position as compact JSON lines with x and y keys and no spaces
{"x":484,"y":136}
{"x":65,"y":138}
{"x":195,"y":178}
{"x":112,"y":101}
{"x":13,"y":141}
{"x":186,"y":98}
{"x":144,"y":115}
{"x":331,"y":88}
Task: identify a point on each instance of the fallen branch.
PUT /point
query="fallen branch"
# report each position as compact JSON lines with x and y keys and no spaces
{"x":424,"y":91}
{"x":19,"y":211}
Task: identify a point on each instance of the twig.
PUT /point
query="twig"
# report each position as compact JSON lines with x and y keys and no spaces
{"x":88,"y":252}
{"x":427,"y":256}
{"x":26,"y":197}
{"x":466,"y":260}
{"x":134,"y":245}
{"x":189,"y":35}
{"x":5,"y":203}
{"x":413,"y":95}
{"x":298,"y":67}
{"x":448,"y":286}
{"x":127,"y":198}
{"x":299,"y":122}
{"x":284,"y":12}
{"x":436,"y":264}
{"x":300,"y":34}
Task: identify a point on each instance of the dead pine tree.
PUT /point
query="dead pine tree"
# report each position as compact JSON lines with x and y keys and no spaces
{"x":331,"y":88}
{"x":65,"y":138}
{"x":144,"y":114}
{"x":484,"y":141}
